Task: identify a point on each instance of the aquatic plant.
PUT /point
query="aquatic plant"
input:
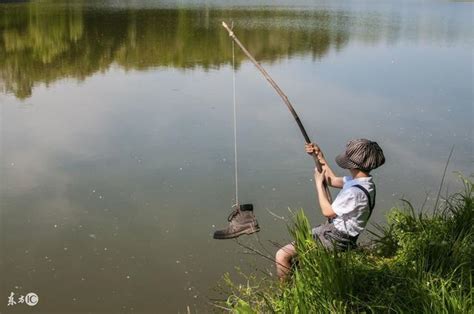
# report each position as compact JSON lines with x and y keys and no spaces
{"x":416,"y":263}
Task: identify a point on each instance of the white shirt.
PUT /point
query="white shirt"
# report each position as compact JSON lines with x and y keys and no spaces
{"x":352,"y":206}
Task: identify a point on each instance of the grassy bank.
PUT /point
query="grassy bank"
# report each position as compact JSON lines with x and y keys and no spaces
{"x":416,"y":263}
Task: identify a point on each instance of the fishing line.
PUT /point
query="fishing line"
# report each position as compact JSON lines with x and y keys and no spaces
{"x":235,"y":127}
{"x":242,"y":219}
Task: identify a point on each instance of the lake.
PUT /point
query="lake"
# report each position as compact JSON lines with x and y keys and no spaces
{"x":117,"y":145}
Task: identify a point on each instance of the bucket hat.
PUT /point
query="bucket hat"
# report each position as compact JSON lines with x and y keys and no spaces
{"x":361,"y":154}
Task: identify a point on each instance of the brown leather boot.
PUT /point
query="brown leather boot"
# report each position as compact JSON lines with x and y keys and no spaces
{"x":241,"y":221}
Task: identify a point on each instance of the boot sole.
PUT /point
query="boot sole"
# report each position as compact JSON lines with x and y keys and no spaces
{"x":237,"y":234}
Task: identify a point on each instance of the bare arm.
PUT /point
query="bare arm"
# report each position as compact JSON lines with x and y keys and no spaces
{"x":330,"y":177}
{"x":324,"y":203}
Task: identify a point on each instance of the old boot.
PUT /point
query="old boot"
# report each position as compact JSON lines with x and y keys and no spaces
{"x":241,"y":221}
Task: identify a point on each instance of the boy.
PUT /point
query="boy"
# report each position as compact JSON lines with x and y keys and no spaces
{"x":350,"y":211}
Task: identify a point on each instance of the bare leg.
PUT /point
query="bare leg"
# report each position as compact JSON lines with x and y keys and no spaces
{"x":283,"y":260}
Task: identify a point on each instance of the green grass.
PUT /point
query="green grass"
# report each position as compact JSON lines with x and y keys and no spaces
{"x":416,"y":263}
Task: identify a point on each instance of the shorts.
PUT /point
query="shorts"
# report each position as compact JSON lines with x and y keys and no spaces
{"x":332,"y":238}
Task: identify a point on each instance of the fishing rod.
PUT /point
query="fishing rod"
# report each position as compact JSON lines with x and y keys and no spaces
{"x":282,"y":95}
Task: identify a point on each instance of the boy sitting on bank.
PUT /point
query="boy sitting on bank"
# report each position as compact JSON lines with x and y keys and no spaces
{"x":350,"y":211}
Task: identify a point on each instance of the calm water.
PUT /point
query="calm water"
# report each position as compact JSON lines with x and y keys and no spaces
{"x":117,"y":145}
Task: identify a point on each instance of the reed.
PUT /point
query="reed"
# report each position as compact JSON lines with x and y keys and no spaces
{"x":416,"y":263}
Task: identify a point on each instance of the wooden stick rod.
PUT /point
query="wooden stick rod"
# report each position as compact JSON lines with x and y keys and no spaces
{"x":278,"y":90}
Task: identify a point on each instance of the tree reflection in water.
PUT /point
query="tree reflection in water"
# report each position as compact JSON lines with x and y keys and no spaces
{"x":46,"y":41}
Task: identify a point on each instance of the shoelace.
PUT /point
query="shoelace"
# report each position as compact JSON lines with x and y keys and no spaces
{"x":234,"y":213}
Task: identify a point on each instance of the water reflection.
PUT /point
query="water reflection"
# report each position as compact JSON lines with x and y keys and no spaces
{"x":43,"y":42}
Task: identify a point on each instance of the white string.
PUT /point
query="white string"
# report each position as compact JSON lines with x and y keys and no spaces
{"x":235,"y":127}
